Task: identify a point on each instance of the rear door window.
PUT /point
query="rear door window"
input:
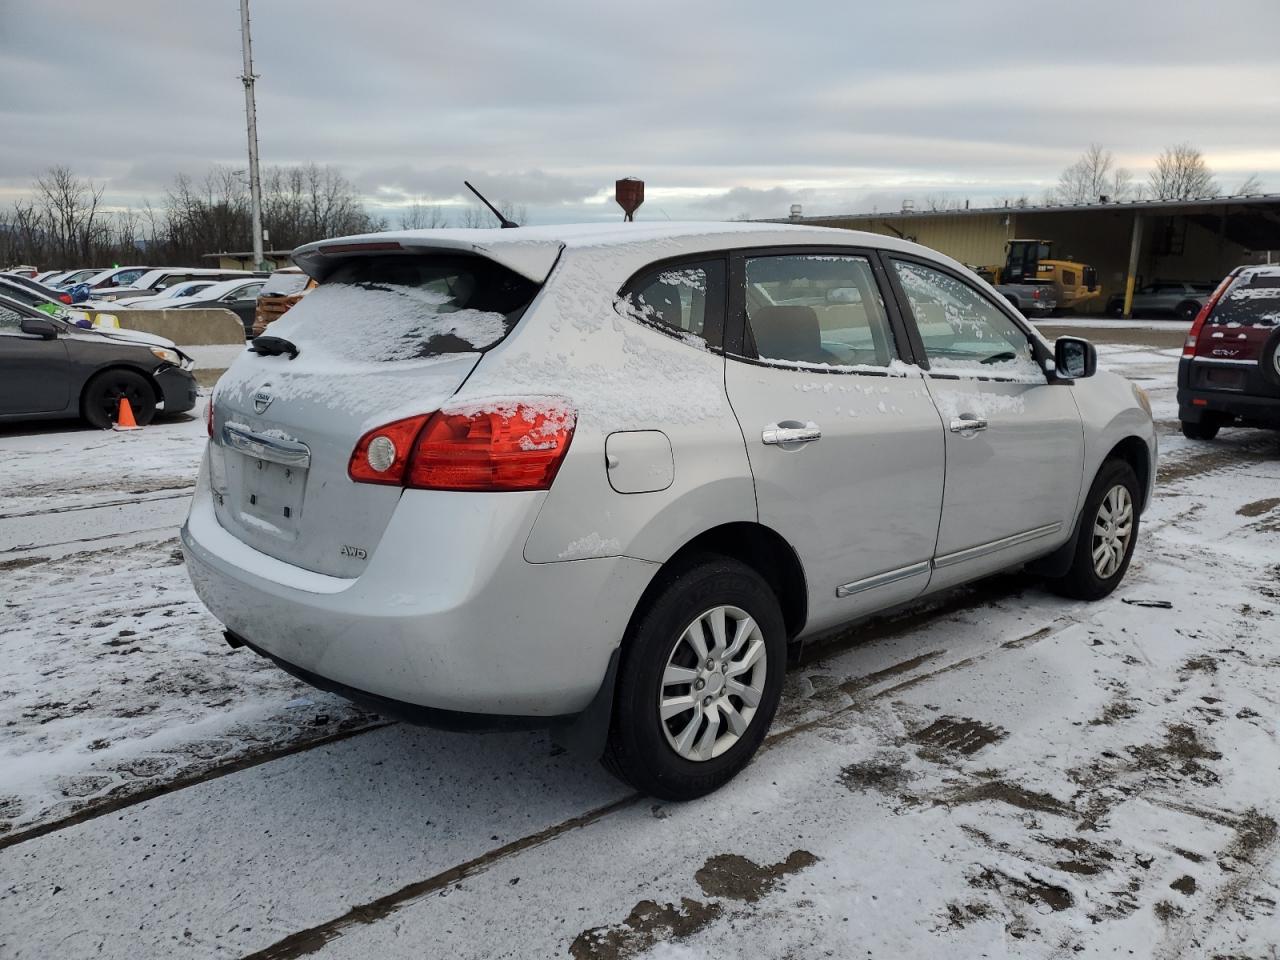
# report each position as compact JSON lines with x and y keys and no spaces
{"x":398,"y":307}
{"x":816,"y":310}
{"x":1252,"y":300}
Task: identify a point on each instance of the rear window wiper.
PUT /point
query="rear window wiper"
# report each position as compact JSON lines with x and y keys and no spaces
{"x":274,"y":346}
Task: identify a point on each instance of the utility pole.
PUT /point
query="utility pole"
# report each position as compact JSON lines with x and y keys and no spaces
{"x":251,"y":119}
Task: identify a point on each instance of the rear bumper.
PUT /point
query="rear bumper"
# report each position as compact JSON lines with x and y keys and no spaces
{"x":178,"y":389}
{"x":1197,"y":405}
{"x":447,"y":617}
{"x":1252,"y":400}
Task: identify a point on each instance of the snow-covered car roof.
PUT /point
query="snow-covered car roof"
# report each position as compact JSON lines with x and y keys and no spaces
{"x":221,"y":288}
{"x":532,"y":251}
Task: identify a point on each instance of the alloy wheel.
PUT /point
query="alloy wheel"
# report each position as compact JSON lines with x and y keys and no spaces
{"x":1111,"y":531}
{"x":713,"y":682}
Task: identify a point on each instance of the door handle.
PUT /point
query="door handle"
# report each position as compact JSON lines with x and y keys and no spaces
{"x":789,"y":431}
{"x":967,"y":423}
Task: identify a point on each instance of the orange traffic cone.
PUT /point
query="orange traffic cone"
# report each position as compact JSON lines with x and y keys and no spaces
{"x":124,"y":416}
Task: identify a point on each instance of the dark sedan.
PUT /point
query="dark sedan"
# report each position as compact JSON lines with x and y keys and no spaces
{"x":50,"y":368}
{"x":239,"y":296}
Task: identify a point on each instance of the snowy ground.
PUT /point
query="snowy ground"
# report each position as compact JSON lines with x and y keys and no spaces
{"x":1002,"y":773}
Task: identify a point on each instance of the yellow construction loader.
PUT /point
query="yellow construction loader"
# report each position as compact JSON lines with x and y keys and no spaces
{"x":1031,"y":261}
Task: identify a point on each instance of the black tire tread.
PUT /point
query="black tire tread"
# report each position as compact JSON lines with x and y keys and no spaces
{"x":1080,"y":582}
{"x":88,"y":398}
{"x":623,"y":756}
{"x":1204,"y":430}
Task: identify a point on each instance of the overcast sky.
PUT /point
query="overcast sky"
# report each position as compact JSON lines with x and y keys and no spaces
{"x":723,"y":109}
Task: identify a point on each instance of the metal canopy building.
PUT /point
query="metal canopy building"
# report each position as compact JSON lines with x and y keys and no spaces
{"x":1138,"y":241}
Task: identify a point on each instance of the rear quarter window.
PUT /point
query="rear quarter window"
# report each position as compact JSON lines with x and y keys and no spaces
{"x":684,"y":300}
{"x":396,"y":308}
{"x":1253,"y":300}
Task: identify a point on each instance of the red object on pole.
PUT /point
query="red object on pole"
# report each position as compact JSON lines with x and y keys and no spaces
{"x":629,"y":192}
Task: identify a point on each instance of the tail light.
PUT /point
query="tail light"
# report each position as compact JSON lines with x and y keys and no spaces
{"x":64,"y":297}
{"x":506,"y":446}
{"x":1189,"y":345}
{"x":1035,"y":294}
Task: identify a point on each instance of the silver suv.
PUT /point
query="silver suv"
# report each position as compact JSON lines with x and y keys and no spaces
{"x":599,"y":477}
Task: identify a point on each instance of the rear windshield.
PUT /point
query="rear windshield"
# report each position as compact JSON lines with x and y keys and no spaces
{"x":1253,"y":300}
{"x":407,"y":307}
{"x":283,"y":284}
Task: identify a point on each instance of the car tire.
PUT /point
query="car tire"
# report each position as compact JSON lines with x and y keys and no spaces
{"x":1271,"y":358}
{"x":1204,"y":430}
{"x":1092,"y":575}
{"x":1187,"y":311}
{"x":100,"y":401}
{"x":657,"y":755}
{"x":1115,"y":309}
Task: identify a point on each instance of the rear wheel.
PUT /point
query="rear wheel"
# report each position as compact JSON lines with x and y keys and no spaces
{"x":1271,"y":358}
{"x":1187,"y":311}
{"x":699,"y":682}
{"x":1204,"y":430}
{"x":1107,"y":534}
{"x":100,"y":402}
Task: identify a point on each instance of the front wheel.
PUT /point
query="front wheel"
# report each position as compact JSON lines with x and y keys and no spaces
{"x":100,"y":402}
{"x":1106,"y":537}
{"x":1187,"y":311}
{"x":699,"y":682}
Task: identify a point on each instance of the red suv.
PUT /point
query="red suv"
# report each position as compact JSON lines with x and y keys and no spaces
{"x":1230,"y":367}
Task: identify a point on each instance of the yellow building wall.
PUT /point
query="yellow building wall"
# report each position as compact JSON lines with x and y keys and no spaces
{"x":975,"y":240}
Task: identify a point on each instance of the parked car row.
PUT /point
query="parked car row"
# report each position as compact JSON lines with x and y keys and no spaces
{"x":168,"y":288}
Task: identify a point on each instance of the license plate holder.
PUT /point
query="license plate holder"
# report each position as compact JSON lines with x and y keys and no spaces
{"x":273,"y":493}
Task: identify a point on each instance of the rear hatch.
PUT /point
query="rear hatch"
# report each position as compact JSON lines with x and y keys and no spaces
{"x":383,"y":337}
{"x":1236,"y":333}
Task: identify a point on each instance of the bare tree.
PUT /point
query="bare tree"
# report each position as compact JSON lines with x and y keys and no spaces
{"x":1093,"y":175}
{"x":61,"y":222}
{"x":1251,"y":184}
{"x":65,"y":210}
{"x":421,"y":216}
{"x":516,"y":213}
{"x":936,"y":203}
{"x":1020,"y":202}
{"x":1182,"y":174}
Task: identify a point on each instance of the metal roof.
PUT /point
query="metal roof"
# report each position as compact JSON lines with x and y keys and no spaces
{"x":1170,"y":206}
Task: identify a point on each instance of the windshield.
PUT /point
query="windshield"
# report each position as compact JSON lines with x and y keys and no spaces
{"x":392,"y":308}
{"x":1253,"y":300}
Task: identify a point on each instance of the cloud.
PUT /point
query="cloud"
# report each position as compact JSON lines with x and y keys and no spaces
{"x":723,"y":108}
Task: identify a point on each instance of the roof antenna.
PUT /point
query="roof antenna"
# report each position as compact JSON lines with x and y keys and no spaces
{"x":506,"y":224}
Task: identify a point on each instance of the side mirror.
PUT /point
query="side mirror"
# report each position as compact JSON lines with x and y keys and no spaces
{"x":1074,"y":358}
{"x":44,"y":329}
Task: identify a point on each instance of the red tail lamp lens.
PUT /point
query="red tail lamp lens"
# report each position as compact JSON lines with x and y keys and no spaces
{"x":512,"y":448}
